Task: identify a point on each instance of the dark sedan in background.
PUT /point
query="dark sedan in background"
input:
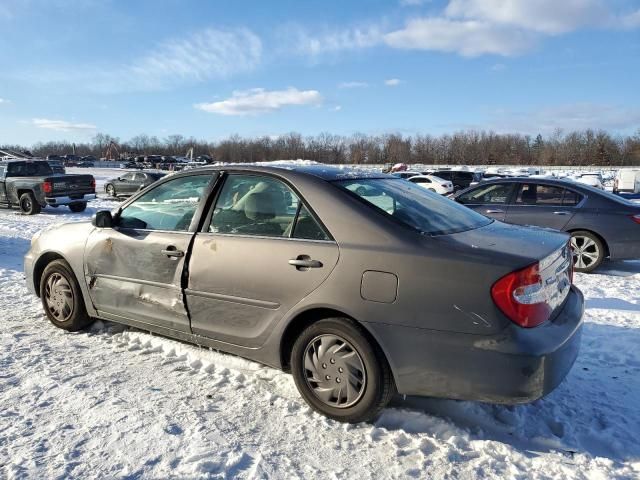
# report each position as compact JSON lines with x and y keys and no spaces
{"x":129,"y":183}
{"x":601,"y":224}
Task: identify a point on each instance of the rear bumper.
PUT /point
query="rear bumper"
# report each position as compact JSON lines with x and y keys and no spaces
{"x":517,"y":365}
{"x":66,"y":200}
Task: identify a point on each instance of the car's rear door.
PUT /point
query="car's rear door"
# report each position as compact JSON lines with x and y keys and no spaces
{"x":544,"y":205}
{"x":490,"y":199}
{"x":135,"y":270}
{"x":262,"y":251}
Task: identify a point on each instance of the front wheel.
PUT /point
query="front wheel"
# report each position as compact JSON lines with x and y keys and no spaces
{"x":588,"y":251}
{"x":78,"y":207}
{"x":111,"y":190}
{"x":62,"y":298}
{"x":340,"y":372}
{"x":28,"y":204}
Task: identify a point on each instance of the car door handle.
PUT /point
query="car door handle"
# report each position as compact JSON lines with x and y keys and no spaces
{"x":494,"y":211}
{"x":562,"y":213}
{"x":173,"y":252}
{"x":305,"y":263}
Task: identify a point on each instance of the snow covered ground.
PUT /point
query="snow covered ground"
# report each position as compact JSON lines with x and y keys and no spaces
{"x":113,"y":402}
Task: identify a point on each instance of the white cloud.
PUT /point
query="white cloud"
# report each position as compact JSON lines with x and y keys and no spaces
{"x":468,"y":38}
{"x":62,"y":125}
{"x":545,"y":16}
{"x":631,"y":20}
{"x":392,"y":82}
{"x":201,"y":56}
{"x":574,"y":116}
{"x":498,"y":67}
{"x":259,"y":100}
{"x":353,"y":85}
{"x":332,"y":41}
{"x":413,"y":3}
{"x":4,"y":100}
{"x":337,"y":108}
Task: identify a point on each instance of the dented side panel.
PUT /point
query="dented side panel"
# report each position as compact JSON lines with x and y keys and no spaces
{"x":129,"y":275}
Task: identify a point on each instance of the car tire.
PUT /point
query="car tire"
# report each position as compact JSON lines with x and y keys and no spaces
{"x":347,"y":354}
{"x":588,"y":251}
{"x":111,"y":190}
{"x":78,"y":207}
{"x":62,"y":298}
{"x":29,"y":205}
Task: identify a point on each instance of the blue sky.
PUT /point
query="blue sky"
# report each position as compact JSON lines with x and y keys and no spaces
{"x":209,"y":69}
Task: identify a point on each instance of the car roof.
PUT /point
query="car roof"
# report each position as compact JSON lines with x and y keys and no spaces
{"x":325,"y":172}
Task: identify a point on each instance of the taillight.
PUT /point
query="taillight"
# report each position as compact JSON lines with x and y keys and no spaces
{"x":529,"y":296}
{"x":522,"y":297}
{"x":636,"y":218}
{"x":93,"y":183}
{"x":47,"y":187}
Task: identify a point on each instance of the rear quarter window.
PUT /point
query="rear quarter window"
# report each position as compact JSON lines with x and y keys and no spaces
{"x":414,"y":206}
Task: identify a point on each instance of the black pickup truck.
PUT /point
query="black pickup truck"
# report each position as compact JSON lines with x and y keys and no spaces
{"x":31,"y":185}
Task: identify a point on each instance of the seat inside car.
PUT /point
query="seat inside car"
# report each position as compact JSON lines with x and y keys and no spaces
{"x":529,"y":195}
{"x":260,"y":208}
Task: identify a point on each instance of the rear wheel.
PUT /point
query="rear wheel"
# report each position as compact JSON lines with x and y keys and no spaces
{"x":62,"y":298}
{"x":339,"y":372}
{"x":78,"y":207}
{"x":111,"y":190}
{"x":588,"y":251}
{"x":28,"y":204}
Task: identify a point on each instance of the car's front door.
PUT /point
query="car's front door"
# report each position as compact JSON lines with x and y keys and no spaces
{"x":491,"y":199}
{"x":3,"y":188}
{"x":261,"y":253}
{"x":135,"y":270}
{"x":543,"y":205}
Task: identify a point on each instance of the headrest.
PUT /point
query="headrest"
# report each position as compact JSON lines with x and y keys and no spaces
{"x":259,"y":206}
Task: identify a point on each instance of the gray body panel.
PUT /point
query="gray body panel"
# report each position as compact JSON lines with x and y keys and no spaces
{"x":411,"y":292}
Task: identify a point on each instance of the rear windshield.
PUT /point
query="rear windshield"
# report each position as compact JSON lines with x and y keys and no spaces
{"x":426,"y":212}
{"x":28,"y":169}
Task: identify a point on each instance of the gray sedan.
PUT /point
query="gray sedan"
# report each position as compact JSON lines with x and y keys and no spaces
{"x":359,"y":284}
{"x":130,"y":182}
{"x":601,"y":224}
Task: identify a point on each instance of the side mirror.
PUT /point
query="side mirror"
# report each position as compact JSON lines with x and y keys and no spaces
{"x":102,"y":219}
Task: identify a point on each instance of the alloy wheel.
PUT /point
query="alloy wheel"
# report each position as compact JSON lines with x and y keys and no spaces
{"x":334,"y":371}
{"x":585,"y":251}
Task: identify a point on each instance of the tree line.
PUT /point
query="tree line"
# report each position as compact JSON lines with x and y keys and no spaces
{"x":578,"y":148}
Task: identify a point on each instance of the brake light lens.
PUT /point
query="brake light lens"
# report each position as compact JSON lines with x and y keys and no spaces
{"x":47,"y":187}
{"x":530,"y":295}
{"x":93,"y":183}
{"x":521,"y":296}
{"x":636,"y":218}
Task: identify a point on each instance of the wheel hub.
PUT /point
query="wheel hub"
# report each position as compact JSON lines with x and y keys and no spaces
{"x":59,"y":297}
{"x":585,"y":251}
{"x":334,"y":371}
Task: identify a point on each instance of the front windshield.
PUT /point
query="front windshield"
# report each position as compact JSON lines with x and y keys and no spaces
{"x":415,"y":206}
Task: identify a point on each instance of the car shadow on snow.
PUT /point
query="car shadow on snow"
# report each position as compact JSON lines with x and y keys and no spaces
{"x":618,"y":268}
{"x":594,"y":411}
{"x":12,"y":250}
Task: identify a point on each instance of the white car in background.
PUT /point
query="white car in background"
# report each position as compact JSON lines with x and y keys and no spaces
{"x":591,"y":179}
{"x":433,"y":183}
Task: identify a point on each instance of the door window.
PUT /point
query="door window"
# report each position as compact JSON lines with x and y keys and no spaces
{"x":262,"y":206}
{"x":307,"y":227}
{"x":169,"y":206}
{"x":496,"y":193}
{"x":534,"y":194}
{"x":420,"y":180}
{"x":140,"y":177}
{"x":127,"y":177}
{"x":571,"y":198}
